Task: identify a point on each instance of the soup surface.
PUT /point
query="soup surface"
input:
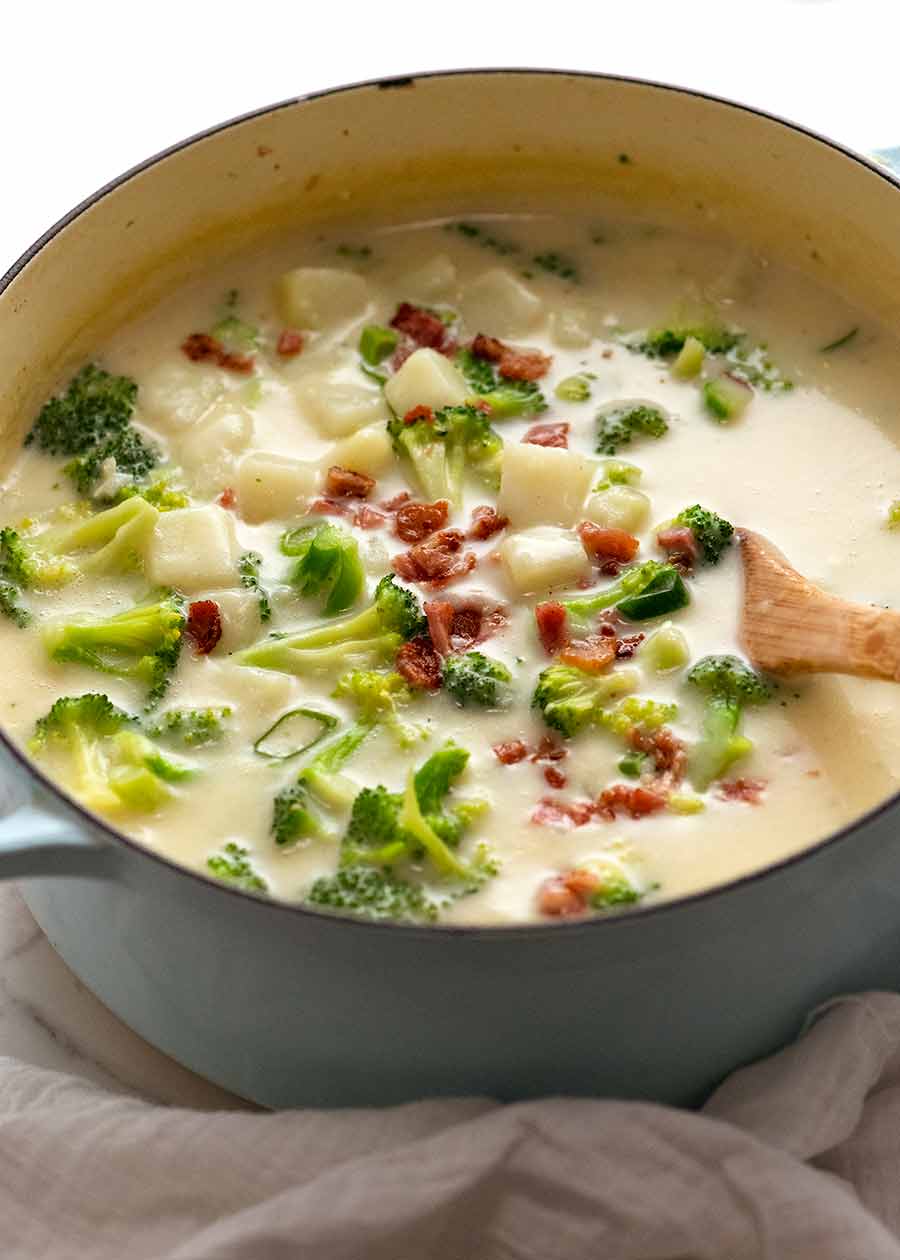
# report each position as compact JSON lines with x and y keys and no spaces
{"x":427,"y":534}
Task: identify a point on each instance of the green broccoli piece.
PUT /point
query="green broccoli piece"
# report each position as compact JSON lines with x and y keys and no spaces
{"x":160,"y":494}
{"x":108,"y":763}
{"x":378,"y":696}
{"x":376,"y":342}
{"x":575,"y":388}
{"x":727,"y":685}
{"x":712,"y":533}
{"x":633,"y":711}
{"x":662,"y":342}
{"x":475,"y":679}
{"x":95,"y":407}
{"x":369,"y":637}
{"x":753,"y":365}
{"x":143,"y":643}
{"x":619,"y":423}
{"x":249,"y":567}
{"x":326,"y":564}
{"x":194,"y":728}
{"x":296,"y":816}
{"x":644,"y":591}
{"x":233,"y":866}
{"x":442,"y":447}
{"x":125,"y":454}
{"x":372,"y":894}
{"x":570,"y":699}
{"x":506,"y":398}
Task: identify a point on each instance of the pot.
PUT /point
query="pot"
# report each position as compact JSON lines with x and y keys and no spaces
{"x":290,"y":1007}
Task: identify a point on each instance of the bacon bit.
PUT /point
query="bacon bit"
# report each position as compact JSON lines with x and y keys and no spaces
{"x":401,"y":354}
{"x":423,"y":328}
{"x":369,"y":518}
{"x":667,"y":750}
{"x":200,"y":347}
{"x":681,"y":545}
{"x":749,"y":791}
{"x":263,"y":150}
{"x":492,"y":623}
{"x":593,"y":654}
{"x":626,"y":648}
{"x":511,"y":752}
{"x":636,"y":801}
{"x":582,"y":882}
{"x":555,"y":777}
{"x":290,"y":343}
{"x":465,"y":628}
{"x":551,"y":625}
{"x":555,"y":434}
{"x":344,"y":482}
{"x":565,"y":814}
{"x":524,"y":365}
{"x":486,"y":522}
{"x":415,"y":521}
{"x":558,"y":901}
{"x":607,"y":544}
{"x":549,"y":750}
{"x":228,"y":498}
{"x":436,"y":561}
{"x":421,"y":412}
{"x":394,"y":504}
{"x":440,"y":619}
{"x":204,"y":625}
{"x":419,"y":663}
{"x":484,"y":347}
{"x":329,"y":507}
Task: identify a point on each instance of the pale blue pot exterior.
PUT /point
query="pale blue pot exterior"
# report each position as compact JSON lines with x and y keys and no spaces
{"x":291,"y":1008}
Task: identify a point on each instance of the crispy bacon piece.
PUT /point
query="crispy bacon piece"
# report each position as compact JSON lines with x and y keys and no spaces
{"x":201,"y":347}
{"x":681,"y":545}
{"x":422,"y":327}
{"x":486,"y":522}
{"x":415,"y":521}
{"x":749,"y":791}
{"x":593,"y":654}
{"x":549,"y":434}
{"x":490,"y":348}
{"x":329,"y":507}
{"x":436,"y":561}
{"x":457,"y":627}
{"x":549,"y":750}
{"x":204,"y":625}
{"x":517,"y":365}
{"x":558,"y":901}
{"x":439,"y":613}
{"x":369,"y":518}
{"x":419,"y":663}
{"x":511,"y":752}
{"x":566,"y":814}
{"x":607,"y":544}
{"x":421,"y":412}
{"x":555,"y":777}
{"x":401,"y":354}
{"x":344,"y":482}
{"x":626,"y":648}
{"x":394,"y":504}
{"x":290,"y":343}
{"x":228,"y":498}
{"x":636,"y":801}
{"x":551,"y":625}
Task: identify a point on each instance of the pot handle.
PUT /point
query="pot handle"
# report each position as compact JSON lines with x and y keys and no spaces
{"x":35,"y":841}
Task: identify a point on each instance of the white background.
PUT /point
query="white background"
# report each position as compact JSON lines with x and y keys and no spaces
{"x":89,"y":88}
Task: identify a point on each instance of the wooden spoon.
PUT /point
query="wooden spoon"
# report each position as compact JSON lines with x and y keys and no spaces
{"x":789,"y":626}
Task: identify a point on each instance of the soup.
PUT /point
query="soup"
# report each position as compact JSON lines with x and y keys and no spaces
{"x":392,"y":571}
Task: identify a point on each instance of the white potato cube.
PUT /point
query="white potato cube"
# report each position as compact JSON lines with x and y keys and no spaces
{"x":434,"y":279}
{"x":241,"y":625}
{"x":426,"y":379}
{"x":571,"y":328}
{"x":500,"y":305}
{"x":193,"y":549}
{"x":367,"y":451}
{"x":619,"y":507}
{"x":275,"y":487}
{"x":339,"y":407}
{"x":208,"y":452}
{"x":543,"y":485}
{"x":175,"y":394}
{"x":540,"y":558}
{"x":319,"y":297}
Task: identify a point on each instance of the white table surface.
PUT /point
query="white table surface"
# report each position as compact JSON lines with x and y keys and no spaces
{"x":87,"y":90}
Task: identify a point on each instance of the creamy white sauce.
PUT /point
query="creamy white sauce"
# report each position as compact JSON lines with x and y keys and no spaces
{"x":813,"y":470}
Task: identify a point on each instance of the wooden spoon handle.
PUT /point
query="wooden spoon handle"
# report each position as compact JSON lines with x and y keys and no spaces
{"x":789,"y":626}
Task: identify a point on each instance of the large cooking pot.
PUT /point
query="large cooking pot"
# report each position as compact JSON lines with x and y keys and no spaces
{"x":288,"y":1006}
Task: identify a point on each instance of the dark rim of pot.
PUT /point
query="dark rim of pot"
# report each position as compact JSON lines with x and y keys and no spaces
{"x":529,"y":929}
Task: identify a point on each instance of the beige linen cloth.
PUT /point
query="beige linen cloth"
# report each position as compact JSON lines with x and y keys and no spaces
{"x":795,"y":1157}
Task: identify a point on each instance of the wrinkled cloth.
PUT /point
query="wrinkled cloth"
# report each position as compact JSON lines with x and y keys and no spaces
{"x":797,"y":1156}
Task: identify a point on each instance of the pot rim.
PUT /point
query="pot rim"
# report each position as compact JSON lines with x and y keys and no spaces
{"x":488,"y":931}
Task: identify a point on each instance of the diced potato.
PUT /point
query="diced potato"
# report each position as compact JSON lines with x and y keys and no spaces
{"x":208,"y":452}
{"x":319,"y":297}
{"x":275,"y":487}
{"x":499,"y":304}
{"x":540,"y":558}
{"x":193,"y":549}
{"x":367,"y":451}
{"x":619,"y":507}
{"x":241,"y":625}
{"x":175,"y":394}
{"x":339,"y":407}
{"x":571,"y":328}
{"x":426,"y":379}
{"x":543,"y":485}
{"x":434,"y":279}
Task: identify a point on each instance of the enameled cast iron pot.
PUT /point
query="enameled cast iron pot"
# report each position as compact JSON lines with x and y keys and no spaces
{"x":288,"y":1006}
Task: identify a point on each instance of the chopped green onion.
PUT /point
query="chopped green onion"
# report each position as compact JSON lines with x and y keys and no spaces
{"x":376,"y":342}
{"x":632,"y":764}
{"x":574,"y":388}
{"x":841,"y":341}
{"x":290,"y":735}
{"x":690,"y":359}
{"x":726,"y":398}
{"x":665,"y":593}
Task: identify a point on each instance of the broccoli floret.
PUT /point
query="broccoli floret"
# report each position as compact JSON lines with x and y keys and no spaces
{"x":475,"y":679}
{"x":327,"y":564}
{"x":442,"y":446}
{"x":727,"y":684}
{"x":661,"y":342}
{"x":249,"y":567}
{"x":618,"y":424}
{"x":194,"y":728}
{"x":378,"y":696}
{"x":297,"y":816}
{"x":633,"y":711}
{"x":646,"y":590}
{"x":143,"y":643}
{"x":109,"y":764}
{"x":369,"y":637}
{"x":160,"y":494}
{"x":95,"y":407}
{"x":506,"y":398}
{"x":372,"y":894}
{"x":570,"y":700}
{"x":712,"y":532}
{"x":233,"y":866}
{"x":124,"y":456}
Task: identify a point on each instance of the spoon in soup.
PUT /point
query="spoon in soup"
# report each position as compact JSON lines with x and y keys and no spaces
{"x":790,"y":626}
